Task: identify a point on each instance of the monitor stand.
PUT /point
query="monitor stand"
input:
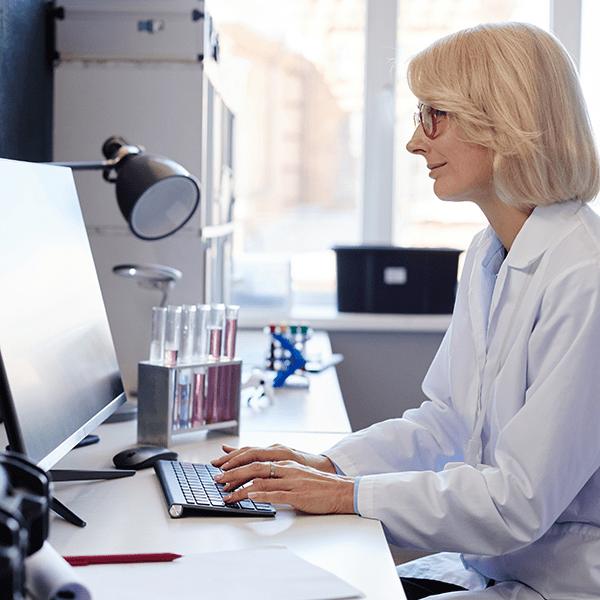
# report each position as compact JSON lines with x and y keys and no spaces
{"x":79,"y":475}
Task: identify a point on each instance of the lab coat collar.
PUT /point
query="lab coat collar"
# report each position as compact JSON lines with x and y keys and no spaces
{"x":536,"y":235}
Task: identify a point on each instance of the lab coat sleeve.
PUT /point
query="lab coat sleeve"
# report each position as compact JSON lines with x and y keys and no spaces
{"x":424,"y":438}
{"x":544,"y":455}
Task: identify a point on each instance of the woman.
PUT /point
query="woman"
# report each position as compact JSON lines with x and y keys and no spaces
{"x":498,"y":471}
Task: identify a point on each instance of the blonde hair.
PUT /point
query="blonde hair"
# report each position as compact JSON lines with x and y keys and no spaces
{"x":513,"y":88}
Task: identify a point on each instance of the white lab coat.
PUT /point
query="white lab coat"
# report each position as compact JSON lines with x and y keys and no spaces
{"x":523,"y":506}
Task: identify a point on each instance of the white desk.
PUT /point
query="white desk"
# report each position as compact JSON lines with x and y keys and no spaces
{"x":318,"y":409}
{"x":129,"y":515}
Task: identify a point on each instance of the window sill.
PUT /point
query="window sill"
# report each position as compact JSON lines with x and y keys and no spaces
{"x":328,"y":318}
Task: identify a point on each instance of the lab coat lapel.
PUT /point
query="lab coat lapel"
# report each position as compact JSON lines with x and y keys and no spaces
{"x":539,"y":232}
{"x":535,"y":237}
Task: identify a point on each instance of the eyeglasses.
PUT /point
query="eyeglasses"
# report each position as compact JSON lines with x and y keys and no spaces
{"x":427,"y":116}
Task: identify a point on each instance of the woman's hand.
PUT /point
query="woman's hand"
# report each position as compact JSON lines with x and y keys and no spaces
{"x":288,"y":482}
{"x":236,"y":457}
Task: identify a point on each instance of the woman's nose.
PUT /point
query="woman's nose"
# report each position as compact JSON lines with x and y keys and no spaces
{"x":417,"y":142}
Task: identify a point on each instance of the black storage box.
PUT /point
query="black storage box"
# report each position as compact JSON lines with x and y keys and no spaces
{"x":387,"y":279}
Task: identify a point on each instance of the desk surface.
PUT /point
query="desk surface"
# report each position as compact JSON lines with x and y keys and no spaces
{"x":129,"y":515}
{"x":320,"y":408}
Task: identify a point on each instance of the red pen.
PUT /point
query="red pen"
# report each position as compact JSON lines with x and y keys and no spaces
{"x":112,"y":559}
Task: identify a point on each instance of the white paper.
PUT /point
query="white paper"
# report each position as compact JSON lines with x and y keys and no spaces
{"x":48,"y":576}
{"x":261,"y":574}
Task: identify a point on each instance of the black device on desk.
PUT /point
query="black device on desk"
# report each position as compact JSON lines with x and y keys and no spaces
{"x":142,"y":457}
{"x":59,"y":377}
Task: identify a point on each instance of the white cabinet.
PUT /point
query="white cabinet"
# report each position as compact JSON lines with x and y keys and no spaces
{"x":156,"y":104}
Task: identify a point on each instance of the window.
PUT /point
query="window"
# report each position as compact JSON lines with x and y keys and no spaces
{"x":293,"y":74}
{"x":297,"y":95}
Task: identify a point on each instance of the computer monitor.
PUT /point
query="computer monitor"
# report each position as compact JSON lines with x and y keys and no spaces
{"x":59,"y":376}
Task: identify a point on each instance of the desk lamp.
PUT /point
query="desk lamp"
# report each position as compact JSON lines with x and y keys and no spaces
{"x":156,"y":195}
{"x":157,"y":277}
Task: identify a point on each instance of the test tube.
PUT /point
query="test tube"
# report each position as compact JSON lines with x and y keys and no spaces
{"x":188,"y":334}
{"x":157,"y":340}
{"x":198,"y":397}
{"x":231,"y":319}
{"x":185,"y":357}
{"x":200,"y":354}
{"x":215,"y":329}
{"x":226,"y":402}
{"x":172,"y":335}
{"x":215,"y":332}
{"x":201,"y":337}
{"x":172,"y":341}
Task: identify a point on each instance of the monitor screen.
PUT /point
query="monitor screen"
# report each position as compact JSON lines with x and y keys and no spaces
{"x":59,"y":376}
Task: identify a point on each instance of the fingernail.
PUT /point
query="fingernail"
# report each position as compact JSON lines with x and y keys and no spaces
{"x":218,"y":477}
{"x":252,"y":494}
{"x":227,"y":498}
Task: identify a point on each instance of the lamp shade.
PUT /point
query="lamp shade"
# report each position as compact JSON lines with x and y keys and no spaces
{"x":156,"y":195}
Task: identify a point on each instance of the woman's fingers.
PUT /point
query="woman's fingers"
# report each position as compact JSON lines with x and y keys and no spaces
{"x":236,"y":477}
{"x":236,"y":457}
{"x":287,"y":482}
{"x":230,"y":452}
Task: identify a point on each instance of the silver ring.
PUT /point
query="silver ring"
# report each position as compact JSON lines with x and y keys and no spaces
{"x":272,"y":473}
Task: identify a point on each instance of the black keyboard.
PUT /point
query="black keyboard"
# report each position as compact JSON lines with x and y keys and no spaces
{"x":191,"y":486}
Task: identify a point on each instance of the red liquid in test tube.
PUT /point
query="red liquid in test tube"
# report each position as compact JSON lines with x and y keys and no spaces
{"x":211,"y":412}
{"x":215,"y":332}
{"x":212,"y":400}
{"x":231,"y":320}
{"x":226,"y":402}
{"x":172,"y":335}
{"x":198,"y":399}
{"x":170,"y":358}
{"x":230,"y":335}
{"x":200,"y":354}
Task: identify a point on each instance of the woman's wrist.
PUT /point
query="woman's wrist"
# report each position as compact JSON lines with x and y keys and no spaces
{"x":348,"y":506}
{"x":327,"y":465}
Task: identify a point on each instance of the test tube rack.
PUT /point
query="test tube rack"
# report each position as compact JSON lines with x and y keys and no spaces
{"x":160,"y":398}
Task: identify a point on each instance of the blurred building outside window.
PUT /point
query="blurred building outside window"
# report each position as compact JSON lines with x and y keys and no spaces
{"x":293,"y":74}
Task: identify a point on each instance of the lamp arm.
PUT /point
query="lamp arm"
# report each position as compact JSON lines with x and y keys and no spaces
{"x":106,"y":165}
{"x":88,"y":166}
